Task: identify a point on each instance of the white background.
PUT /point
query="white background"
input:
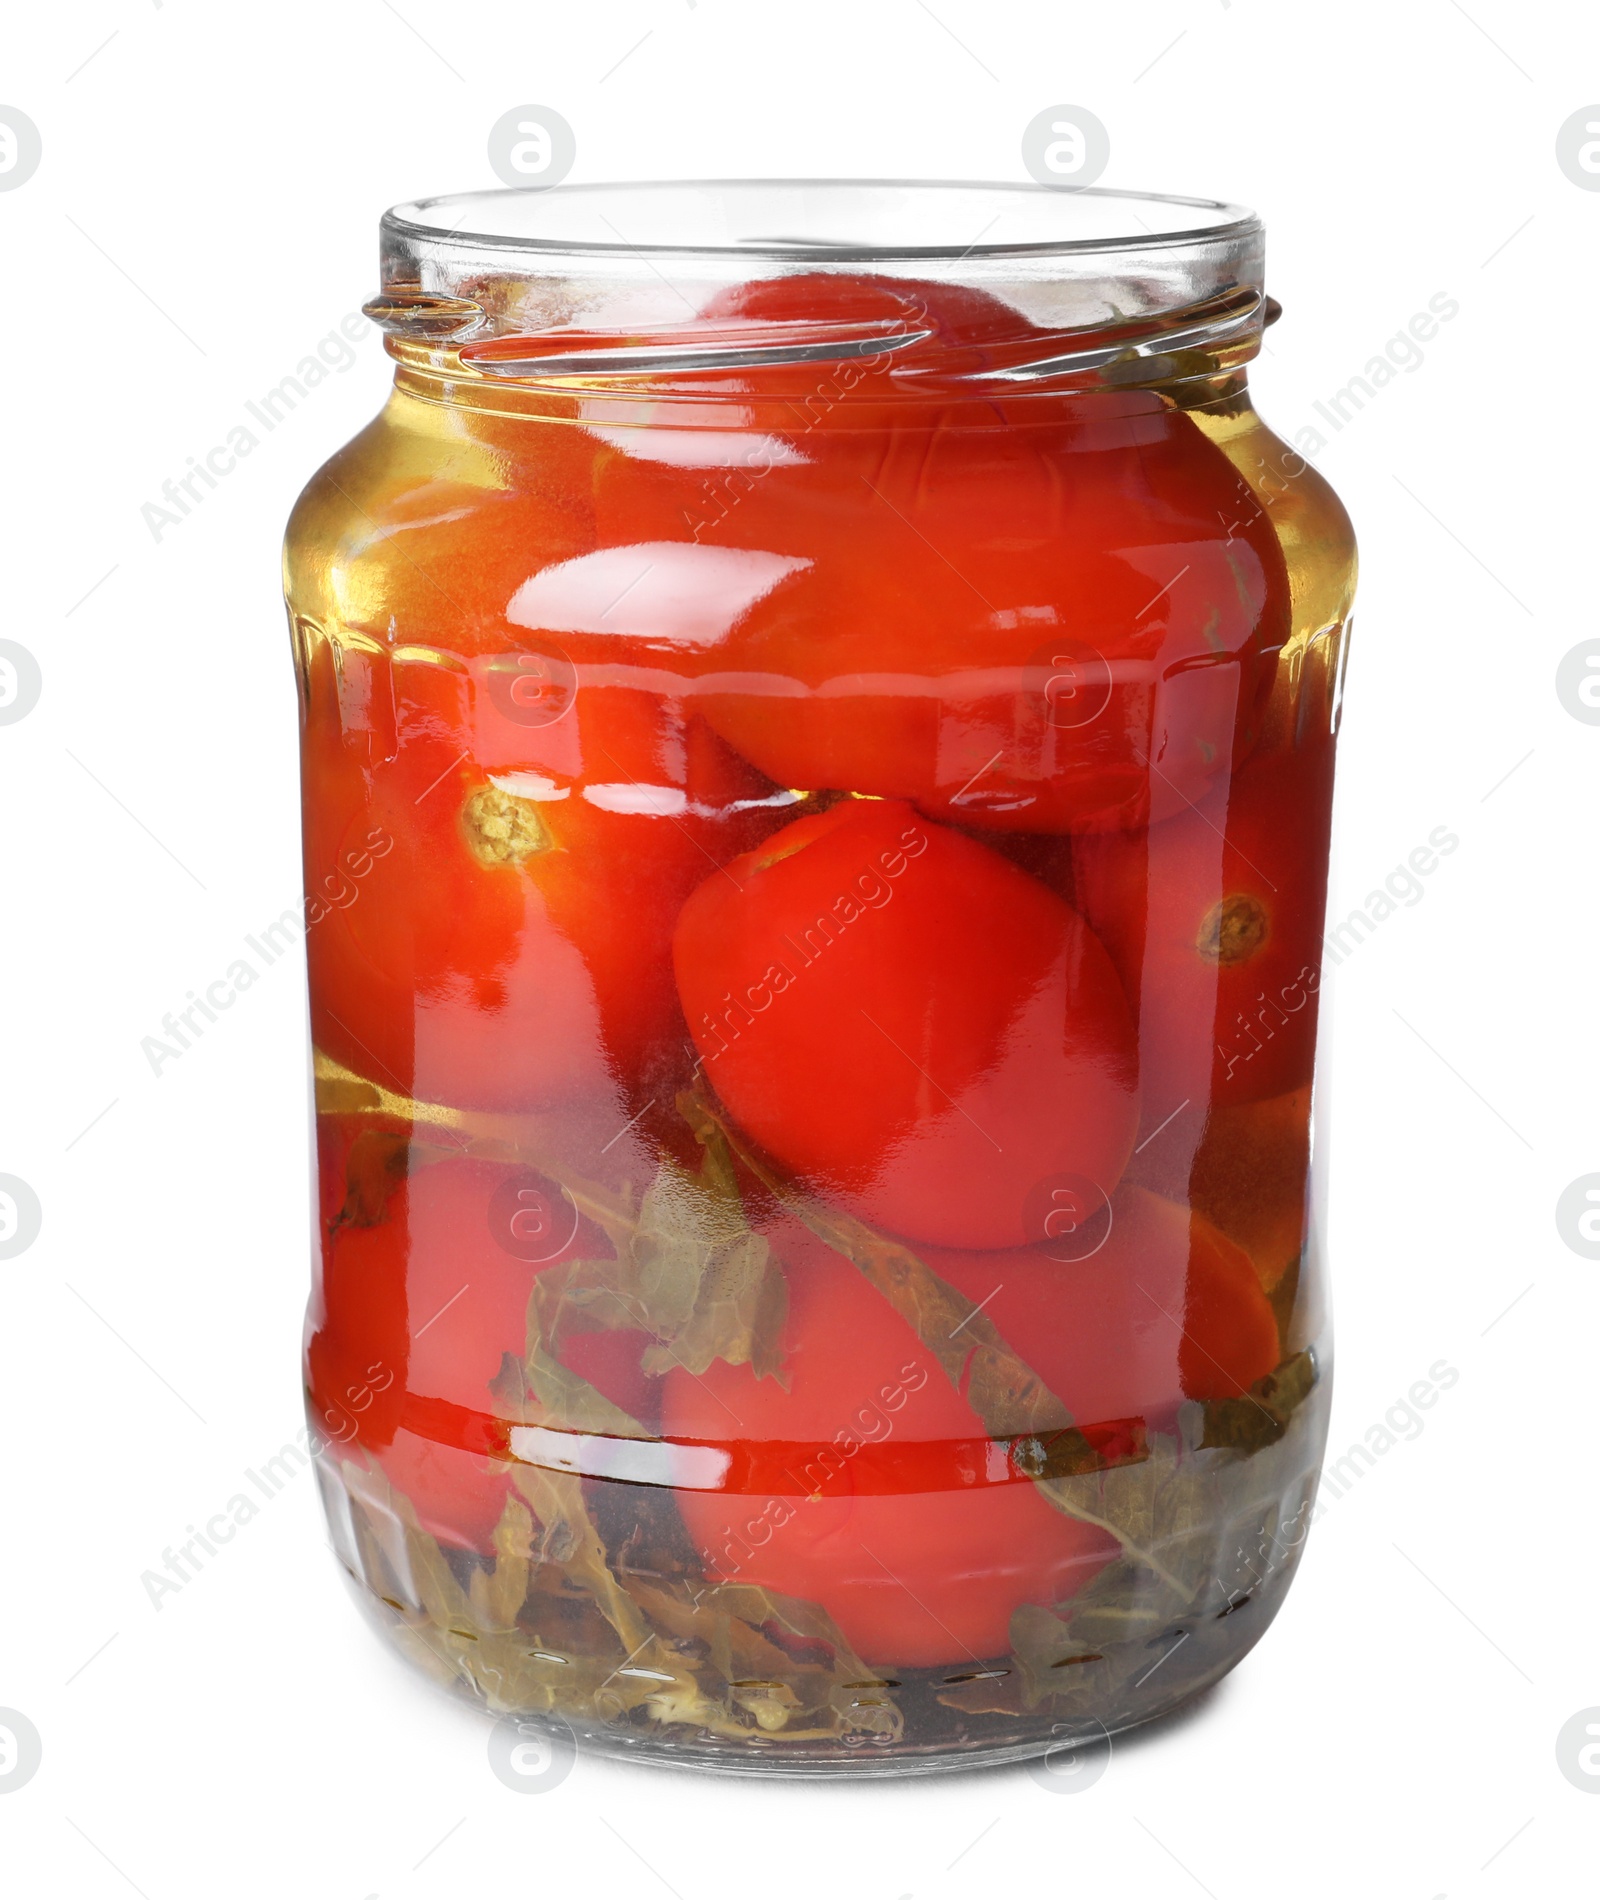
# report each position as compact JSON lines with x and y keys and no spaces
{"x":206,"y":211}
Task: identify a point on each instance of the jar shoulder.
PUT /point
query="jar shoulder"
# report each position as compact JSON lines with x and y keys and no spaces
{"x":1313,"y":526}
{"x":416,"y":514}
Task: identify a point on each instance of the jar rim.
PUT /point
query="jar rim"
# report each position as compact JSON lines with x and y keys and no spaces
{"x":509,"y":220}
{"x":627,"y":281}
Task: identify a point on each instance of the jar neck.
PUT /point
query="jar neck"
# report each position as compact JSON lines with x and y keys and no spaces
{"x":867,"y":373}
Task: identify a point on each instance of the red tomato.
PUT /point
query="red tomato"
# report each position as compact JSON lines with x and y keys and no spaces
{"x":1165,"y":1309}
{"x":1047,"y":614}
{"x":1230,"y":1335}
{"x":1249,"y":1176}
{"x":1215,"y":921}
{"x":913,"y":1579}
{"x":413,"y":1317}
{"x":944,"y":328}
{"x":909,"y":1023}
{"x":357,"y":1338}
{"x":492,"y":902}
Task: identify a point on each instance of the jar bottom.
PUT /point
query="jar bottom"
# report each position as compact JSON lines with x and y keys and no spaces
{"x":449,"y":1612}
{"x":991,"y":1741}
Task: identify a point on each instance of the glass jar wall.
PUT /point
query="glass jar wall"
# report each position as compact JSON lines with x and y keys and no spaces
{"x":818,"y":721}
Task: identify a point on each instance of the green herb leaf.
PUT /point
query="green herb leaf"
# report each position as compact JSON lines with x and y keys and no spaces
{"x":1261,"y":1417}
{"x":550,"y":1628}
{"x":689,"y":1271}
{"x":1203,"y":1526}
{"x":1005,"y":1392}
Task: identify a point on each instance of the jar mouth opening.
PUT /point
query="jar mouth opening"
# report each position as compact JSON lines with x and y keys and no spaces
{"x":820,"y":221}
{"x":961,"y":286}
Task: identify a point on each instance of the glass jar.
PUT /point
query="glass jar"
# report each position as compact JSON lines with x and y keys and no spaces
{"x":818,"y":715}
